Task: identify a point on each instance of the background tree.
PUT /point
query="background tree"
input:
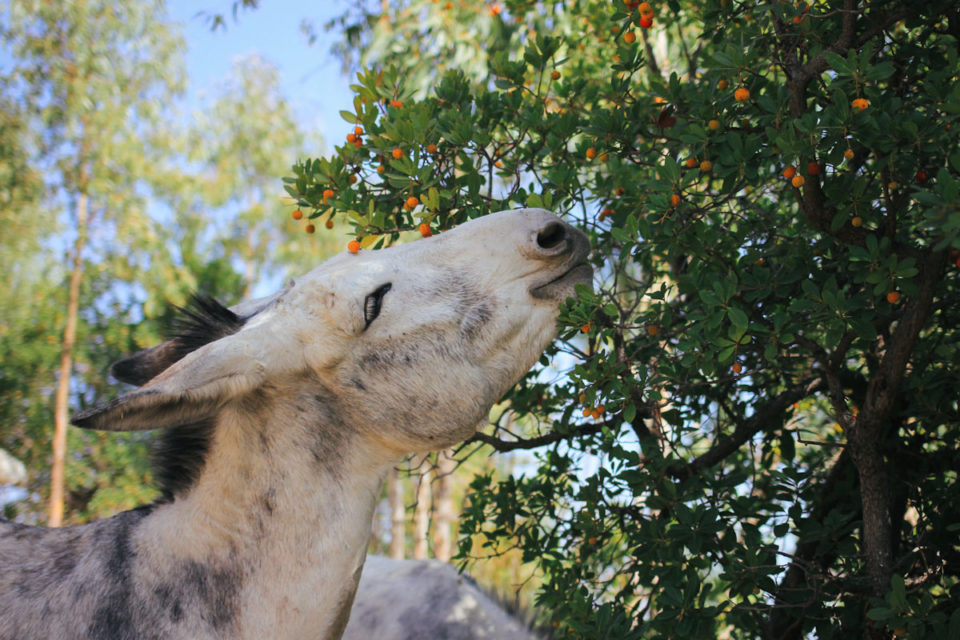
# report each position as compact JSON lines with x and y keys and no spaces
{"x":175,"y":201}
{"x":95,"y":73}
{"x":749,"y":429}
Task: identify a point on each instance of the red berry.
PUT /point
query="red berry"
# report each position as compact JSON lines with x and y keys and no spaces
{"x":646,"y":23}
{"x":425,"y":230}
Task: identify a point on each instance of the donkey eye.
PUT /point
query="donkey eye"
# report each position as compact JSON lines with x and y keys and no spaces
{"x":371,"y":306}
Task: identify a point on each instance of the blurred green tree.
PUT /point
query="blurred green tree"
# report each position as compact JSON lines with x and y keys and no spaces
{"x":141,"y":205}
{"x":750,"y":428}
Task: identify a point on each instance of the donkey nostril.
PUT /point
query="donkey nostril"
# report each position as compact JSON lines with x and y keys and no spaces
{"x":551,"y":235}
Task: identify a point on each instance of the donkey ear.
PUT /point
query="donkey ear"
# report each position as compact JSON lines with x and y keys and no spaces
{"x":190,"y":390}
{"x":201,"y":321}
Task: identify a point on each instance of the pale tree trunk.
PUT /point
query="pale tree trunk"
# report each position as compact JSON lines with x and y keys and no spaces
{"x":62,"y":397}
{"x":421,"y":511}
{"x":398,"y":515}
{"x":443,"y":514}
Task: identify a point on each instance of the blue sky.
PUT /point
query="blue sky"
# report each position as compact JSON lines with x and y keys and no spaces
{"x":310,"y":77}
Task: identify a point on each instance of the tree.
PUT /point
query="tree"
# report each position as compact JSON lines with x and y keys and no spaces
{"x":95,"y":73}
{"x":175,"y":203}
{"x":749,"y":428}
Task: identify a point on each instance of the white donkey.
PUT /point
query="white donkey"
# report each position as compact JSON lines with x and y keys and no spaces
{"x":428,"y":599}
{"x":282,"y":418}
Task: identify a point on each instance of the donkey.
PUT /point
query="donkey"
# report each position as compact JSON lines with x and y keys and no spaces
{"x":282,"y":417}
{"x":399,"y":599}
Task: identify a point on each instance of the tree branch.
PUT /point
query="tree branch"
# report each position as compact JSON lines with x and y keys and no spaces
{"x":771,"y":413}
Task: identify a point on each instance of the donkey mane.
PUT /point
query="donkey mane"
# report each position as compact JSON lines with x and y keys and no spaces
{"x":179,"y":453}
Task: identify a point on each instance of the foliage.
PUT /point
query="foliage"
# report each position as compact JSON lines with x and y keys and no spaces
{"x":749,"y":429}
{"x":96,"y":86}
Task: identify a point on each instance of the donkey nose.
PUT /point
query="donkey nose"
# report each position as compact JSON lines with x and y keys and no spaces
{"x":552,"y":235}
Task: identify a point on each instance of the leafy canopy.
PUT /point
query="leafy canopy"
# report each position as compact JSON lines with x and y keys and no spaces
{"x":752,"y":432}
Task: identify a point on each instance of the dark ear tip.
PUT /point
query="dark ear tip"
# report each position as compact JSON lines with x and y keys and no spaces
{"x":82,"y":419}
{"x":126,"y":370}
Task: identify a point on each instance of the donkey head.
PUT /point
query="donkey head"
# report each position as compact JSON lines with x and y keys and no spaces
{"x":412,"y":344}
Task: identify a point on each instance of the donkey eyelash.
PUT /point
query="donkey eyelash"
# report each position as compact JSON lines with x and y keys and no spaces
{"x":371,"y":306}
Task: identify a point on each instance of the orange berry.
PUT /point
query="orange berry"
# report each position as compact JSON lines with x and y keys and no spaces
{"x":606,"y":212}
{"x":646,"y":22}
{"x":591,"y":153}
{"x":411,"y":202}
{"x":431,"y":148}
{"x":713,"y":125}
{"x":620,"y":191}
{"x":310,"y":228}
{"x":691,"y":163}
{"x":797,"y":181}
{"x":848,"y":154}
{"x":741,"y":94}
{"x":644,"y":7}
{"x":737,"y":367}
{"x":425,"y":230}
{"x":653,"y":330}
{"x":555,"y":75}
{"x":859,"y":104}
{"x":396,"y":104}
{"x":352,"y":179}
{"x":591,"y":540}
{"x":585,"y":328}
{"x":495,"y":10}
{"x":658,"y":100}
{"x":358,"y":143}
{"x":600,"y":409}
{"x":297,"y":214}
{"x":675,"y":200}
{"x":358,"y":131}
{"x":329,"y":223}
{"x":723,"y":85}
{"x":583,"y":398}
{"x":893,"y":297}
{"x":630,"y":37}
{"x":587,"y":412}
{"x":789,"y":172}
{"x":813,"y":168}
{"x":381,"y":169}
{"x":353,"y":246}
{"x":856,"y":221}
{"x":351,"y":138}
{"x":706,"y":166}
{"x":397,"y":153}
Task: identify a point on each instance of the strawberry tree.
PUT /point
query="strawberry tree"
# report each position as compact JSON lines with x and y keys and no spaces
{"x":750,"y":428}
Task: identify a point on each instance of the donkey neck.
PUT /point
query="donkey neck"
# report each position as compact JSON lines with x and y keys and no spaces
{"x":285,"y":501}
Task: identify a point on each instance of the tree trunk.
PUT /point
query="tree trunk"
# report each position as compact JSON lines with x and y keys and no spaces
{"x":62,"y":397}
{"x":443,"y":514}
{"x":421,"y":511}
{"x":398,"y":530}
